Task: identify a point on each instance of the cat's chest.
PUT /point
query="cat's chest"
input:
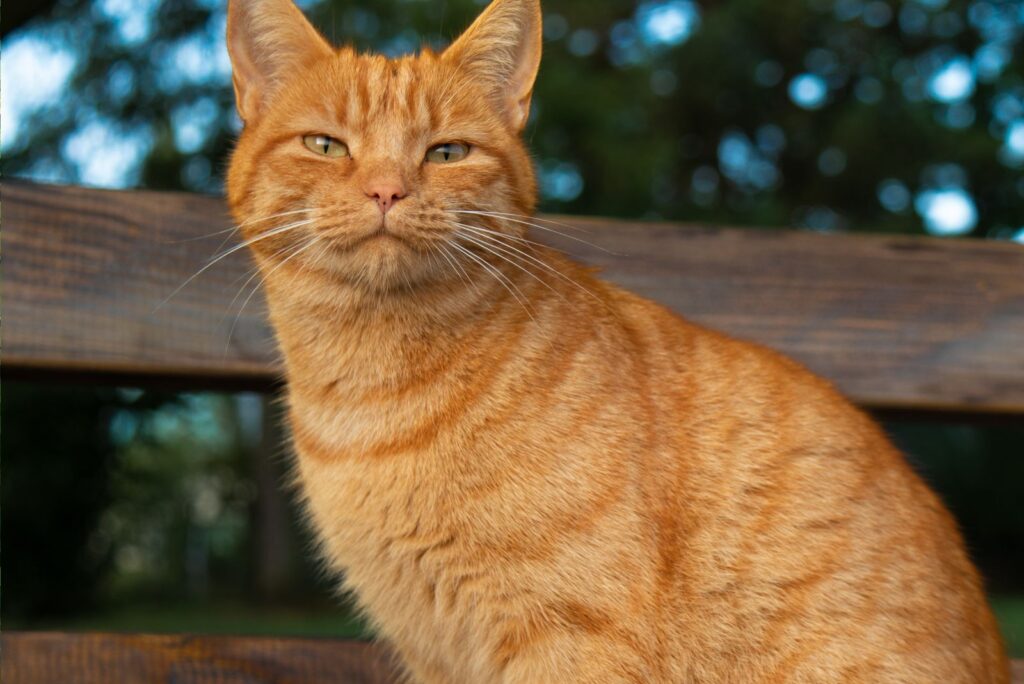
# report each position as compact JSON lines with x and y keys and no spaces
{"x":376,"y":511}
{"x":403,"y":553}
{"x":379,"y":464}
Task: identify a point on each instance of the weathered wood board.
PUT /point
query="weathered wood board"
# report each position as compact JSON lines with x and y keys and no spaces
{"x":97,"y":658}
{"x":897,"y":322}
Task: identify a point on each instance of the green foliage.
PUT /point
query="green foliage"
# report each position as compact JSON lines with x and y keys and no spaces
{"x":179,"y":509}
{"x":698,"y":124}
{"x":217,"y":616}
{"x":54,"y":489}
{"x":978,"y":474}
{"x":135,"y":497}
{"x":1009,"y":611}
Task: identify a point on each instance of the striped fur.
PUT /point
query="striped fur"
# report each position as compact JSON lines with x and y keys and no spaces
{"x":525,"y":473}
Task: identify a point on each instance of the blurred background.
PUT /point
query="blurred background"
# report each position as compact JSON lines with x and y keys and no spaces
{"x":158,"y":511}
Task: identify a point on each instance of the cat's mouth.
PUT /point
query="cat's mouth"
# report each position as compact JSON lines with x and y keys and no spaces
{"x":348,"y":240}
{"x":382,"y":233}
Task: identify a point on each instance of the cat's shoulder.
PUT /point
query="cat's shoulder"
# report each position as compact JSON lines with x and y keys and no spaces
{"x":737,"y":370}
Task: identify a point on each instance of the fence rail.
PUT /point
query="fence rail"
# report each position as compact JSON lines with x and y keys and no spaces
{"x":897,"y":322}
{"x":68,"y":658}
{"x":96,"y":658}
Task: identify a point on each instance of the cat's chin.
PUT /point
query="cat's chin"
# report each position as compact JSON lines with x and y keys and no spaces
{"x":382,"y":240}
{"x":375,"y":236}
{"x":381,"y":262}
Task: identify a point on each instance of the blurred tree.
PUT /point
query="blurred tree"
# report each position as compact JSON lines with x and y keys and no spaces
{"x":979,"y":473}
{"x":17,"y":12}
{"x":826,"y":114}
{"x":55,"y":487}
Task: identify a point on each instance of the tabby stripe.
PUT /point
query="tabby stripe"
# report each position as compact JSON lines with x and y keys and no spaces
{"x":429,"y":429}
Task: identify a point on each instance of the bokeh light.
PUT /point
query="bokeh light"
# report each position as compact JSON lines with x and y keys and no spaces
{"x":832,"y":161}
{"x":1012,"y":152}
{"x":894,"y":195}
{"x":34,"y":71}
{"x":583,"y":42}
{"x":133,"y":19}
{"x":108,"y":154}
{"x":560,"y":181}
{"x":953,"y":82}
{"x":947,"y":212}
{"x":667,"y":23}
{"x":808,"y":91}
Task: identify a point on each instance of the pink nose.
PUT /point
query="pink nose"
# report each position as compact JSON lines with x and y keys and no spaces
{"x":386,"y":195}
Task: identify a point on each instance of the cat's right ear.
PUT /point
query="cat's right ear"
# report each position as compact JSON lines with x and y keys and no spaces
{"x":502,"y":50}
{"x":267,"y":39}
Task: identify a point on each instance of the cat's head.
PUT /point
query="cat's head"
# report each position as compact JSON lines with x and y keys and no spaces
{"x":365,"y":166}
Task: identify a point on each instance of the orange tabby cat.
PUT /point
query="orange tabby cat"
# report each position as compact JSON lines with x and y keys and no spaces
{"x":525,"y":473}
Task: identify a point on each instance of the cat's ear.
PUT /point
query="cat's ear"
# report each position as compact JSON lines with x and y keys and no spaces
{"x":502,"y":51}
{"x":267,"y":39}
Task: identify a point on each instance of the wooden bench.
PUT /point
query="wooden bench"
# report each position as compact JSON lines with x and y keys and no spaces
{"x":904,"y":325}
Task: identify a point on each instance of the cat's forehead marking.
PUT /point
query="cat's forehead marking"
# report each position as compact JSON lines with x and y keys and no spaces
{"x":386,"y":102}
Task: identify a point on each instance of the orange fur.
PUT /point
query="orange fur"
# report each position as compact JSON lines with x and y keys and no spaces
{"x":525,"y":473}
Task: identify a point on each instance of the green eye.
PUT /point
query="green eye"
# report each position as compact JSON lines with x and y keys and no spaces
{"x":325,"y":145}
{"x":447,"y":153}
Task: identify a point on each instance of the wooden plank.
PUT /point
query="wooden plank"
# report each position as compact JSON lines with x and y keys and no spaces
{"x":896,"y":322}
{"x":86,"y":273}
{"x":94,"y":658}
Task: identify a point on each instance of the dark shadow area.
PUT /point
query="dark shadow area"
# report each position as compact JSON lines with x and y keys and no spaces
{"x":169,"y":512}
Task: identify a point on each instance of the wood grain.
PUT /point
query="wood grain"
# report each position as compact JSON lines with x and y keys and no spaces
{"x":96,"y":658}
{"x":896,"y":322}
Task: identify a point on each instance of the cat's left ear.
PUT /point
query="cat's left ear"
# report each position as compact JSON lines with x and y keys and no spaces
{"x":502,"y":51}
{"x":268,"y":41}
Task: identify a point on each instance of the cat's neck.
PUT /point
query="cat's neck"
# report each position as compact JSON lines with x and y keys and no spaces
{"x":343,"y":334}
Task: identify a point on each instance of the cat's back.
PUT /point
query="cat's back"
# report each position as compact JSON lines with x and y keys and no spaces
{"x":802,"y":542}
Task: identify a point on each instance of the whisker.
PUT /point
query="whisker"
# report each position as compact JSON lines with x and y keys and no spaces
{"x":270,"y":233}
{"x":516,"y":238}
{"x":250,"y":221}
{"x":537,"y":261}
{"x":248,"y":274}
{"x":316,"y":256}
{"x":223,"y":255}
{"x":408,"y":282}
{"x":256,"y":271}
{"x":462,"y":271}
{"x":492,"y":248}
{"x":441,"y":251}
{"x":459,"y":264}
{"x":538,"y":227}
{"x":498,"y":275}
{"x":312,"y":241}
{"x":535,"y":218}
{"x":240,"y":225}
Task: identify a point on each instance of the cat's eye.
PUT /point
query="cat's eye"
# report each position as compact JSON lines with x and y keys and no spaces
{"x":325,"y":145}
{"x":447,"y":153}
